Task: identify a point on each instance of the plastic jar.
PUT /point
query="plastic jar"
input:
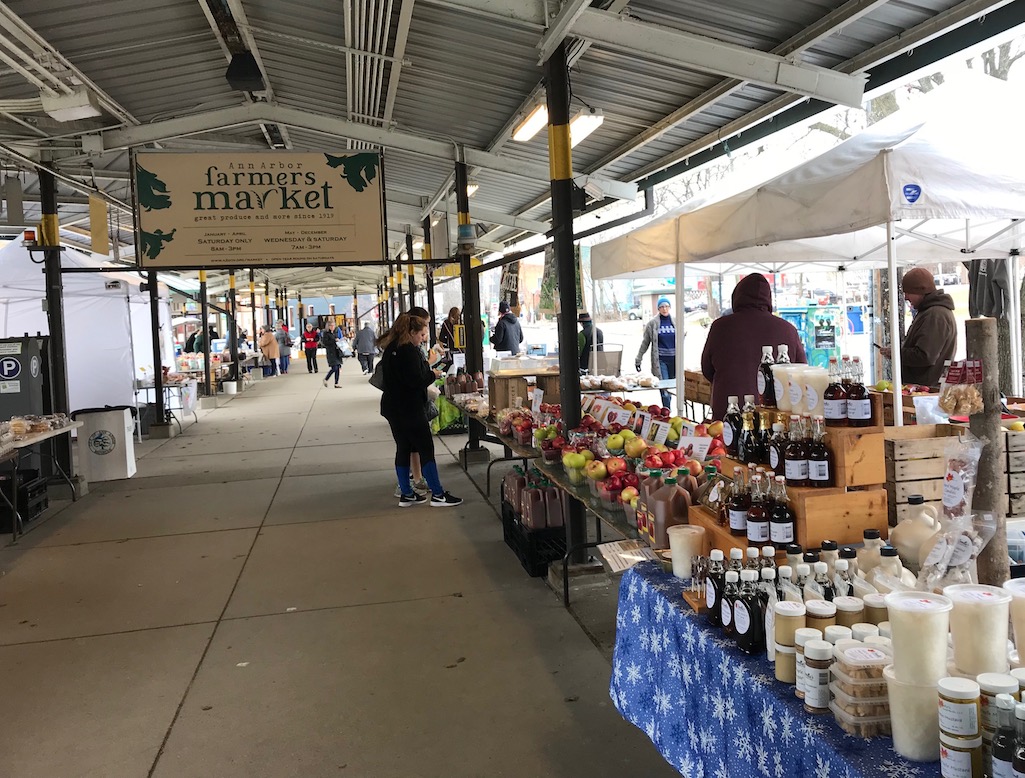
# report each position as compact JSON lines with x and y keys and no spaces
{"x":885,"y":630}
{"x":959,"y":708}
{"x":990,"y":685}
{"x":818,"y":656}
{"x":821,"y":614}
{"x":790,"y":617}
{"x":913,"y":720}
{"x":864,"y":630}
{"x":1016,"y":588}
{"x":849,"y":610}
{"x":786,"y":664}
{"x":960,"y":758}
{"x":918,"y":628}
{"x":801,"y":638}
{"x":1018,"y":674}
{"x":837,"y":632}
{"x":875,"y":608}
{"x":879,"y":641}
{"x":978,"y":625}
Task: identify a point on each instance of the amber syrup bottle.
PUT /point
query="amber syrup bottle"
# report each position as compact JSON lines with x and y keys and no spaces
{"x":766,"y":386}
{"x":820,"y":458}
{"x":733,"y":424}
{"x":795,"y":455}
{"x":859,"y":402}
{"x":835,"y":398}
{"x":740,"y":501}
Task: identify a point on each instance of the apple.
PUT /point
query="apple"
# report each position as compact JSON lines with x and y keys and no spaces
{"x":615,"y":442}
{"x":595,"y":470}
{"x":673,"y":435}
{"x":614,"y":483}
{"x":588,"y":421}
{"x":693,"y":466}
{"x":628,"y":434}
{"x":655,"y":410}
{"x":715,"y":429}
{"x":701,"y":431}
{"x":676,"y":422}
{"x":574,"y":461}
{"x":558,"y":443}
{"x":615,"y":428}
{"x":631,"y":479}
{"x":630,"y":406}
{"x":587,"y":454}
{"x":659,"y":448}
{"x":665,"y":413}
{"x":653,"y":462}
{"x":635,"y":447}
{"x":615,"y":465}
{"x":629,"y":494}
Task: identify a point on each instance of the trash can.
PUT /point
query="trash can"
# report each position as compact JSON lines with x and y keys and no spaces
{"x":106,"y":443}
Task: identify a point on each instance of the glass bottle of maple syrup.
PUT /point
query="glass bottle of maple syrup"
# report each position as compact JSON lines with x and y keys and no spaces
{"x":777,"y":444}
{"x":820,"y":458}
{"x":766,"y":386}
{"x":835,"y":397}
{"x":732,"y":425}
{"x":782,"y":523}
{"x":740,"y":501}
{"x":748,"y":448}
{"x":859,"y":402}
{"x":795,"y":455}
{"x":757,"y":515}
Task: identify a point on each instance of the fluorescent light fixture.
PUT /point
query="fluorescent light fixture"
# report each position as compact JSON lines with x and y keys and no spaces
{"x":435,"y":220}
{"x":532,"y":124}
{"x":80,"y":104}
{"x":584,"y":123}
{"x":471,"y":187}
{"x":418,"y":244}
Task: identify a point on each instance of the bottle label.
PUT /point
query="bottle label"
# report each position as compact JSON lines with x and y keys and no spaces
{"x":796,"y":392}
{"x":955,"y":764}
{"x":800,"y":673}
{"x":738,"y":520}
{"x":773,"y":457}
{"x":780,"y":387}
{"x":727,"y":613}
{"x":781,"y":532}
{"x":1001,"y":768}
{"x":757,"y":531}
{"x":953,"y":490}
{"x":859,"y":409}
{"x":796,"y":469}
{"x":818,"y":470}
{"x":812,"y":395}
{"x":727,"y":434}
{"x":741,"y":617}
{"x":960,"y":719}
{"x":709,"y":595}
{"x":834,"y":409}
{"x":816,"y":687}
{"x":761,"y":383}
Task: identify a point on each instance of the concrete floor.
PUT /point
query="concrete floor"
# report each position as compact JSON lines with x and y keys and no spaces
{"x":253,"y":603}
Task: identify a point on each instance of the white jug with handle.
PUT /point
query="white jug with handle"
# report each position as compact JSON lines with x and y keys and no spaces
{"x":911,"y":536}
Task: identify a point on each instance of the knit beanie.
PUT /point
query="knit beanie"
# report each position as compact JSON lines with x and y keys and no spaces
{"x":918,"y":280}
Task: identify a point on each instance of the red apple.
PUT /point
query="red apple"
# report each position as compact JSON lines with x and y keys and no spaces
{"x":631,"y":479}
{"x":614,"y":483}
{"x":665,"y":413}
{"x":668,"y":458}
{"x":715,"y":429}
{"x":629,"y":493}
{"x":559,"y":443}
{"x":655,"y":410}
{"x":701,"y":431}
{"x":652,"y":462}
{"x":693,"y":466}
{"x":615,"y":465}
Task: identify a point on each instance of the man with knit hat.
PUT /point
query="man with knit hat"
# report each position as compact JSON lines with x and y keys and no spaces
{"x":508,"y":335}
{"x":660,"y":337}
{"x":932,"y":337}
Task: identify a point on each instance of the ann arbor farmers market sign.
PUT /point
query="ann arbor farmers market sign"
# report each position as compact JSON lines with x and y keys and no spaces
{"x":258,"y":209}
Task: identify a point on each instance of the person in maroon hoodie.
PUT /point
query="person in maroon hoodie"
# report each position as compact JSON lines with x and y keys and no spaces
{"x":733,"y":349}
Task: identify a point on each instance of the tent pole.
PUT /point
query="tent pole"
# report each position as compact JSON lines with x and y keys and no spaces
{"x":891,"y":270}
{"x":594,"y":326}
{"x":1016,"y":344}
{"x":681,"y":337}
{"x":204,"y":314}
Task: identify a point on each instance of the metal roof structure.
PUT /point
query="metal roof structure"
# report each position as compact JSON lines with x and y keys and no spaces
{"x":433,"y":81}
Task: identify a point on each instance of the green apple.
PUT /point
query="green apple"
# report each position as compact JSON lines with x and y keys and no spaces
{"x":615,"y":442}
{"x":673,"y":435}
{"x":540,"y":433}
{"x":575,"y":461}
{"x":676,"y":423}
{"x":627,"y":434}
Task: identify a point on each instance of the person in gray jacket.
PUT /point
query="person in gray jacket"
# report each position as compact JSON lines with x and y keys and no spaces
{"x":366,"y":347}
{"x":284,"y":346}
{"x":660,"y":337}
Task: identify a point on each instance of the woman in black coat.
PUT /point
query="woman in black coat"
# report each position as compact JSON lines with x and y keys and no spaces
{"x":329,"y":339}
{"x":404,"y":404}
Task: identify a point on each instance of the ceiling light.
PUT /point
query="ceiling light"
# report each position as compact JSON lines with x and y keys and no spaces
{"x":584,"y":123}
{"x":80,"y":104}
{"x":471,"y":187}
{"x":418,"y":244}
{"x":435,"y":220}
{"x":532,"y":124}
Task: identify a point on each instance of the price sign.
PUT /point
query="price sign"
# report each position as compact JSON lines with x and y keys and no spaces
{"x":618,"y":416}
{"x":695,"y":448}
{"x":660,"y":431}
{"x":538,"y":398}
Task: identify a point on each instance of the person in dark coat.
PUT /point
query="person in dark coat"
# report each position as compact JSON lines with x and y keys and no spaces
{"x":508,"y":334}
{"x":447,"y":334}
{"x":733,"y":349}
{"x":586,"y":339}
{"x":932,"y":337}
{"x":329,"y":340}
{"x":366,"y":346}
{"x":404,"y":404}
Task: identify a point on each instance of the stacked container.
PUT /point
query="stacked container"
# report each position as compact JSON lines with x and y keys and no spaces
{"x":860,"y":704}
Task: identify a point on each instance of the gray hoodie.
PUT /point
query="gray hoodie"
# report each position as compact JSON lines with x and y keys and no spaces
{"x":990,"y":281}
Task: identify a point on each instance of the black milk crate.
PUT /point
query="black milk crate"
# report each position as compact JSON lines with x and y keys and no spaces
{"x":32,"y":498}
{"x":535,"y":548}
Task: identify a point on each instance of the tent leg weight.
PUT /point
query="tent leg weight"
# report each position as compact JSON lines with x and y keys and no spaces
{"x":162,"y":431}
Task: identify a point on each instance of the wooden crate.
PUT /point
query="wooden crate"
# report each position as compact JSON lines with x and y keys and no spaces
{"x":858,"y":451}
{"x":504,"y":388}
{"x":907,"y":404}
{"x":697,"y":388}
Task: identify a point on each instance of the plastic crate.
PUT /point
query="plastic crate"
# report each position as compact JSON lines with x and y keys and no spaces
{"x":32,"y":498}
{"x":535,"y":549}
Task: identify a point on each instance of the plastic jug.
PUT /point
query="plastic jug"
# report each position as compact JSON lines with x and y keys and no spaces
{"x":512,"y":487}
{"x":667,"y":507}
{"x":555,"y":505}
{"x":533,"y":512}
{"x":648,"y":486}
{"x":910,"y":536}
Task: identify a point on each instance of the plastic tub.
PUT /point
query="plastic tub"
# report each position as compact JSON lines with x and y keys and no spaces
{"x":915,"y":725}
{"x":1016,"y":588}
{"x":859,"y":706}
{"x":860,"y":726}
{"x":918,"y":629}
{"x":858,"y":687}
{"x":978,"y":625}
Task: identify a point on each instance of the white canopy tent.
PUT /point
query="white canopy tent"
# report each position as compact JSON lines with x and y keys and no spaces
{"x":937,"y":181}
{"x":107,"y":327}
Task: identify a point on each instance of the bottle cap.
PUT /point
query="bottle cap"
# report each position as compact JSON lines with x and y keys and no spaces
{"x":1019,"y":711}
{"x":794,"y":548}
{"x":811,"y":557}
{"x":768,"y":573}
{"x":749,"y":398}
{"x":777,"y":427}
{"x":781,"y":479}
{"x":849,"y":604}
{"x":818,"y":649}
{"x":887,"y":551}
{"x":871,"y":534}
{"x":804,"y":634}
{"x":789,"y":608}
{"x":1005,"y":702}
{"x":655,"y":473}
{"x":803,"y":570}
{"x":710,"y":470}
{"x":752,"y":552}
{"x":732,"y":399}
{"x":822,"y":609}
{"x":766,"y":349}
{"x":821,"y":568}
{"x":915,"y":499}
{"x":732,"y":576}
{"x":770,"y":474}
{"x":716,"y":555}
{"x":829,"y":545}
{"x":958,"y":688}
{"x":785,"y":572}
{"x":878,"y":640}
{"x":769,"y":551}
{"x":863,"y":630}
{"x":736,"y":553}
{"x":835,"y":632}
{"x":997,"y":683}
{"x":752,"y":575}
{"x":841,"y":565}
{"x":670,"y":481}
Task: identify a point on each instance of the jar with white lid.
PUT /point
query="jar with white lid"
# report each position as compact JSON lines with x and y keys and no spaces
{"x":879,"y":641}
{"x":919,"y":623}
{"x":990,"y":685}
{"x":960,"y":714}
{"x":801,"y":638}
{"x":1018,"y":673}
{"x":835,"y":633}
{"x":849,"y":610}
{"x":790,"y":616}
{"x":818,"y":657}
{"x":978,"y":626}
{"x":960,"y":758}
{"x":821,"y":614}
{"x":884,"y":629}
{"x":875,"y":608}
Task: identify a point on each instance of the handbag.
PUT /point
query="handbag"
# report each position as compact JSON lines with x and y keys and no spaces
{"x":432,"y":410}
{"x":377,"y":379}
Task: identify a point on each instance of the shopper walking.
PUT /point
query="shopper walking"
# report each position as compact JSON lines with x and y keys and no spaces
{"x":508,"y":334}
{"x":284,"y":346}
{"x":269,"y":348}
{"x":311,"y":342}
{"x":329,"y":340}
{"x":447,"y":334}
{"x":660,"y":337}
{"x":366,"y":345}
{"x":404,"y":404}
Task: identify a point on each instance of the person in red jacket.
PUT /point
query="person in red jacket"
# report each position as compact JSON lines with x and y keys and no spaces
{"x":311,"y":340}
{"x":733,"y":349}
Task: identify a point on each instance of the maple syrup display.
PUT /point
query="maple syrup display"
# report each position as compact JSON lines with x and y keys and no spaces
{"x":835,"y":404}
{"x":766,"y":385}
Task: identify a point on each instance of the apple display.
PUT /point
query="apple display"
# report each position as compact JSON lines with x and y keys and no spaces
{"x":574,"y":461}
{"x":629,"y":494}
{"x":615,"y":465}
{"x":635,"y":447}
{"x":628,"y":434}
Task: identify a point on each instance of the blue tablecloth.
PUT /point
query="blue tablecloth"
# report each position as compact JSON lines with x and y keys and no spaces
{"x":714,"y":712}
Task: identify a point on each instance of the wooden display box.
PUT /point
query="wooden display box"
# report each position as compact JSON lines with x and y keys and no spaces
{"x":504,"y":388}
{"x":858,"y":451}
{"x":907,"y":404}
{"x":697,"y":388}
{"x":915,"y":464}
{"x":1015,"y":447}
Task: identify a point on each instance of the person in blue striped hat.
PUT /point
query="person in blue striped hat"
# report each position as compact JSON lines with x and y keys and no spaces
{"x":660,"y":337}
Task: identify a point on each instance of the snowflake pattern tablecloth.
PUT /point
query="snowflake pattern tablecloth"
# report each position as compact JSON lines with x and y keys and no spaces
{"x":715,"y":713}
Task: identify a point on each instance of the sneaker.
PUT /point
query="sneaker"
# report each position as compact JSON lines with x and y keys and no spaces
{"x":325,"y":383}
{"x":338,"y":386}
{"x":406,"y":500}
{"x":445,"y":500}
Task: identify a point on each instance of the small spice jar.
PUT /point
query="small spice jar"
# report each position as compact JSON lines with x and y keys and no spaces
{"x":801,"y":638}
{"x":875,"y":608}
{"x":990,"y":685}
{"x":864,"y":630}
{"x":821,"y":614}
{"x":818,"y":656}
{"x":790,"y":617}
{"x":959,"y":708}
{"x":849,"y":610}
{"x":836,"y":633}
{"x":786,"y":664}
{"x":960,"y":758}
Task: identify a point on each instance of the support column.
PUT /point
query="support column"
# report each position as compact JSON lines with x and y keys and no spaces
{"x":204,"y":315}
{"x":429,"y":278}
{"x":398,"y":286}
{"x":285,"y":312}
{"x":473,"y":451}
{"x":252,"y":304}
{"x":412,"y":278}
{"x":57,"y":353}
{"x":556,"y":75}
{"x":300,"y":322}
{"x":991,"y":484}
{"x":233,"y":327}
{"x":266,"y":305}
{"x":895,"y":340}
{"x":159,"y":427}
